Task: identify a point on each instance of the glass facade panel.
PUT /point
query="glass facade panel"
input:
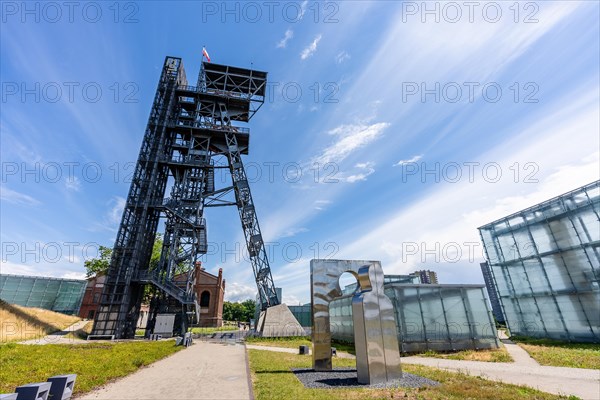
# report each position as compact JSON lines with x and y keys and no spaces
{"x":429,"y":317}
{"x":61,"y":295}
{"x":545,"y":261}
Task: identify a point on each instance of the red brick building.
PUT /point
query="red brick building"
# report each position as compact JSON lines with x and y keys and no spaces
{"x":91,"y":297}
{"x":210,"y":292}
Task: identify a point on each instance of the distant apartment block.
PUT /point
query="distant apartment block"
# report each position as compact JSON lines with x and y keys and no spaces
{"x":426,"y":276}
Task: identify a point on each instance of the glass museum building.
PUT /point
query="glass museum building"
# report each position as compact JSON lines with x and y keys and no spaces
{"x":545,"y":265}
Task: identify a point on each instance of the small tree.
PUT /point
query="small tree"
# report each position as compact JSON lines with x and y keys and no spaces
{"x":98,"y":266}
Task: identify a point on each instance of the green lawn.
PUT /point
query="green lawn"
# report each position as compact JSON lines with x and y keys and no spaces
{"x":207,"y":331}
{"x":272,"y":379}
{"x":288,"y":342}
{"x":94,"y":363}
{"x":495,"y":355}
{"x":561,"y":354}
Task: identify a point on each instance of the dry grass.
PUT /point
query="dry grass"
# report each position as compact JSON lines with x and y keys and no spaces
{"x":81,"y":333}
{"x":493,"y":355}
{"x":25,"y":323}
{"x":562,"y":354}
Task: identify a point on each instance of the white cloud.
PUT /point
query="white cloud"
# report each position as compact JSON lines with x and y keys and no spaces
{"x":366,"y":169}
{"x":42,"y":268}
{"x":452,"y":212}
{"x":293,"y":232}
{"x":289,"y":34}
{"x":73,"y":183}
{"x":112,"y":218}
{"x":239,"y":292}
{"x":341,"y":57}
{"x":74,"y":275}
{"x":291,"y":300}
{"x":116,"y":211}
{"x":352,"y":137}
{"x":408,"y":161}
{"x":321,"y":204}
{"x":311,"y":48}
{"x":15,"y":197}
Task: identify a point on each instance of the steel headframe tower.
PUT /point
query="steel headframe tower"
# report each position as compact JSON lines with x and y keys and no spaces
{"x":191,"y":132}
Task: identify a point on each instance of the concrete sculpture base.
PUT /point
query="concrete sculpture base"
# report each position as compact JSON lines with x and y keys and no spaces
{"x":278,"y":321}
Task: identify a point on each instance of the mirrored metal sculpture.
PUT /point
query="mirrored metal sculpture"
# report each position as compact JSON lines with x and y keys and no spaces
{"x":375,"y":337}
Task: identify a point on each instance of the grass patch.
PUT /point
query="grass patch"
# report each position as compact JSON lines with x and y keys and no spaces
{"x":208,"y":330}
{"x":295,"y":341}
{"x":95,"y":364}
{"x":292,"y":342}
{"x":492,"y":355}
{"x":26,"y":323}
{"x":272,"y":379}
{"x":561,"y":354}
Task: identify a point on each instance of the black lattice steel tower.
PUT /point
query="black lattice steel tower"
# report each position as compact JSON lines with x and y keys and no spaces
{"x":192,"y":130}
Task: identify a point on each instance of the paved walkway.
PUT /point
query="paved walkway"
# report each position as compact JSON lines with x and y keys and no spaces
{"x":583,"y":383}
{"x":60,"y":337}
{"x":204,"y":370}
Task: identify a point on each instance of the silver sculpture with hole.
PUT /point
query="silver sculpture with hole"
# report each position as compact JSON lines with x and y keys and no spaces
{"x":375,"y":337}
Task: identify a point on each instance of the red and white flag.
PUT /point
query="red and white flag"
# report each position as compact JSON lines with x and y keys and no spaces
{"x":205,"y":54}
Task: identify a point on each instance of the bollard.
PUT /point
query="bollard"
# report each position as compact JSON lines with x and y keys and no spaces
{"x":62,"y":386}
{"x":34,"y":391}
{"x":9,"y":396}
{"x":187,"y":341}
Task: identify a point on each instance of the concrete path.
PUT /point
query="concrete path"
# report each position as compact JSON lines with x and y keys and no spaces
{"x":202,"y":371}
{"x":60,"y":337}
{"x":583,"y":383}
{"x":518,"y":354}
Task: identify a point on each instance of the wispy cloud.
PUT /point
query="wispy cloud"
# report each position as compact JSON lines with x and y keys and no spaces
{"x":311,"y":48}
{"x":365,"y":169}
{"x":320,"y":205}
{"x":408,"y":161}
{"x":289,"y":34}
{"x":293,"y":232}
{"x":73,"y":183}
{"x":341,"y":57}
{"x":351,"y":138}
{"x":15,"y":197}
{"x":112,"y":217}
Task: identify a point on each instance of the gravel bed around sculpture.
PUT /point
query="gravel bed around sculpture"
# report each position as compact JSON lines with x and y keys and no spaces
{"x":346,"y":378}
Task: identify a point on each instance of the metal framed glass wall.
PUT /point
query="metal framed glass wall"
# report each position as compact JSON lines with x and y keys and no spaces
{"x":429,"y":317}
{"x":302,"y":314}
{"x":545,"y":264}
{"x":61,"y":295}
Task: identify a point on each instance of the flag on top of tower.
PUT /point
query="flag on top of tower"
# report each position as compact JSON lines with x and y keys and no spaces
{"x":205,"y":54}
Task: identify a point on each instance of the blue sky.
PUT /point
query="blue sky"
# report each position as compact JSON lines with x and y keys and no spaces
{"x":387,"y":135}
